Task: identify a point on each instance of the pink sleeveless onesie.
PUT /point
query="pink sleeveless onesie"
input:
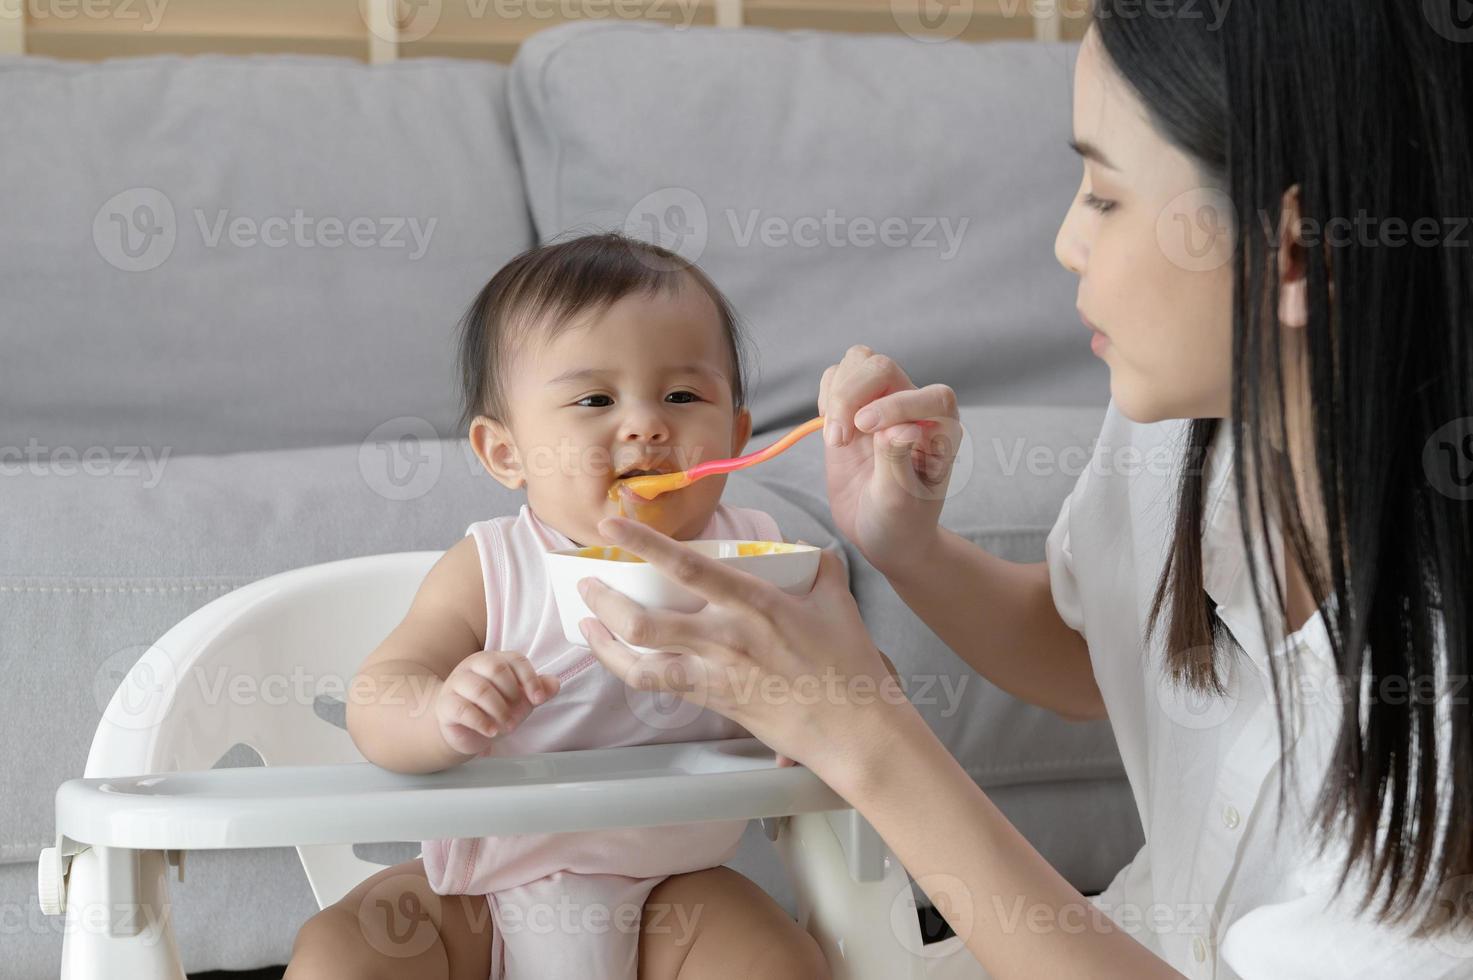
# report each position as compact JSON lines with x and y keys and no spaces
{"x":569,"y":904}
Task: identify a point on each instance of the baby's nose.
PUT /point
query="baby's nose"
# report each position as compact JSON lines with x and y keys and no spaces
{"x":643,"y":425}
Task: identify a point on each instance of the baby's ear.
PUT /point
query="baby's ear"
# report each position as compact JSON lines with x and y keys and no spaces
{"x":493,"y":445}
{"x":741,"y":431}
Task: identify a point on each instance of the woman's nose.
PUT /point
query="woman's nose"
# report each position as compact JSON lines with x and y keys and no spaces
{"x":1069,"y":245}
{"x":1070,"y":249}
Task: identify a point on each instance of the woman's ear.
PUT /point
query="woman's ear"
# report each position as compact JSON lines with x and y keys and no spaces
{"x":741,"y":431}
{"x":494,"y":447}
{"x":1293,"y":287}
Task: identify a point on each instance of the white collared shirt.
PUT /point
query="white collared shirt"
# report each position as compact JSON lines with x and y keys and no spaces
{"x":1218,"y":891}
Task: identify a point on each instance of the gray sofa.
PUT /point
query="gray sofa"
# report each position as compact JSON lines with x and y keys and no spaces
{"x":227,"y":297}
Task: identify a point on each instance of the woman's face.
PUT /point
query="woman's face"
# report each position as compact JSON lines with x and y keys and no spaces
{"x":1151,"y":247}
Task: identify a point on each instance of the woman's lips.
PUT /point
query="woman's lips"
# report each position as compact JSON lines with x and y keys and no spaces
{"x":1097,"y":340}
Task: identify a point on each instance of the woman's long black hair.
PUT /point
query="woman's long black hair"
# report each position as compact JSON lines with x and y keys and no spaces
{"x":1365,"y":106}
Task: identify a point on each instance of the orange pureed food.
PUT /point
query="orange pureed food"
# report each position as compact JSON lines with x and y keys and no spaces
{"x":745,"y":549}
{"x":764,"y":548}
{"x":611,"y":553}
{"x":648,"y":511}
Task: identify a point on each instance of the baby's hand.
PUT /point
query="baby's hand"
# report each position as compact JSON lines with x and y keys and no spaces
{"x":486,"y":695}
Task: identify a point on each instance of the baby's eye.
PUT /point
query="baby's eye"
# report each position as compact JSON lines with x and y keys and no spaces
{"x":684,"y":397}
{"x":605,"y":403}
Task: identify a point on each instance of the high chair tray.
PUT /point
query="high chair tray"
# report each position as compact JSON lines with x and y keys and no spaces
{"x":279,"y":806}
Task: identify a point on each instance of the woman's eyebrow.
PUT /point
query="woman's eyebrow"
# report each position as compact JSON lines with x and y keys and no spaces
{"x":1089,"y":151}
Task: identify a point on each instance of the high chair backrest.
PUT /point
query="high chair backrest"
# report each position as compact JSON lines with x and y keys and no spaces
{"x":269,"y":665}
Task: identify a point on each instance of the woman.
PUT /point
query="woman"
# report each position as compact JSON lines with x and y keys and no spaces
{"x":1278,"y":629}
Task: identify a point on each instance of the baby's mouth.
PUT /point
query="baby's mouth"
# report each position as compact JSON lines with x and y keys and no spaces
{"x":657,"y":469}
{"x":626,"y":480}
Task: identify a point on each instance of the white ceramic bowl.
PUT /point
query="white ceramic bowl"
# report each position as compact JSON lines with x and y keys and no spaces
{"x":791,"y":567}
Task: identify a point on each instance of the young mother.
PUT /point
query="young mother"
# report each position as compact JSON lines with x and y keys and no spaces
{"x":1307,"y":570}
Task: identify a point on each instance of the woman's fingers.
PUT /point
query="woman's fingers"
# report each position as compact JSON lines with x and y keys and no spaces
{"x":862,"y":377}
{"x":830,"y":583}
{"x":917,"y":435}
{"x":637,"y":625}
{"x":908,"y":458}
{"x":706,"y":577}
{"x":655,"y":671}
{"x":823,"y":388}
{"x":933,"y":402}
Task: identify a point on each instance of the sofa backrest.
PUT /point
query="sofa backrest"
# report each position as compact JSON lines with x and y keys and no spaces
{"x":223,"y":254}
{"x":840,"y":189}
{"x":219,"y":254}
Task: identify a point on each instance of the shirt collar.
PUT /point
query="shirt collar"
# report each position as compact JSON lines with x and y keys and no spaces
{"x":551,"y":538}
{"x":1225,"y":573}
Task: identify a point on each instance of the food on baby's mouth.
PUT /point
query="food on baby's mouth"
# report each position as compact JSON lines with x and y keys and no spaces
{"x":649,"y":485}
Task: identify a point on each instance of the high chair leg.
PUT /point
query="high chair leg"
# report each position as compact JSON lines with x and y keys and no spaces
{"x":119,"y":922}
{"x":868,"y":930}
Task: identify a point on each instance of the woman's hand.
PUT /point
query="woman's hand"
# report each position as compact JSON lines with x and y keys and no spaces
{"x":890,"y":451}
{"x":801,"y":673}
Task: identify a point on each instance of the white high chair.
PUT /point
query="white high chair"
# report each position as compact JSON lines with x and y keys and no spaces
{"x":149,"y":795}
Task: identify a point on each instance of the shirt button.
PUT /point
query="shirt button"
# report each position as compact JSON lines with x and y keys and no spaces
{"x":1199,"y":949}
{"x":1230,"y":817}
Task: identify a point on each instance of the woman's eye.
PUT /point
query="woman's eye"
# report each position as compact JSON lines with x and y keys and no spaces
{"x":603,"y":401}
{"x":684,"y":397}
{"x":1098,"y":203}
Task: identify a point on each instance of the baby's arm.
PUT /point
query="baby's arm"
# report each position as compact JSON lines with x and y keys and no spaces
{"x":430,"y":683}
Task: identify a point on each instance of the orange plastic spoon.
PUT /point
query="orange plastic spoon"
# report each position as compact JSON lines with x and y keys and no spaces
{"x":651,"y":486}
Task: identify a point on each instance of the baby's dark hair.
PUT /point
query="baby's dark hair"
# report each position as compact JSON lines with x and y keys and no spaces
{"x":548,"y":287}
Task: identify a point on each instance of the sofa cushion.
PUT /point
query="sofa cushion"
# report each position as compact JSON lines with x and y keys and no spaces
{"x":218,"y":254}
{"x":840,"y":189}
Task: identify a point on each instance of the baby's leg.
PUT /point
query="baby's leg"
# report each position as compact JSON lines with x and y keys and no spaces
{"x":718,"y":925}
{"x":393,"y":927}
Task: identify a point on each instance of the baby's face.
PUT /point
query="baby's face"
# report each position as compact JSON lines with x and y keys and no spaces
{"x":643,"y":387}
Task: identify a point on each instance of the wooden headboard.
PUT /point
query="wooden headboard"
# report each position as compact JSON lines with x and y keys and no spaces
{"x":386,"y":30}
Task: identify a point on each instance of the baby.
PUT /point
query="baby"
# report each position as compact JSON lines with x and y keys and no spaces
{"x":582,"y":362}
